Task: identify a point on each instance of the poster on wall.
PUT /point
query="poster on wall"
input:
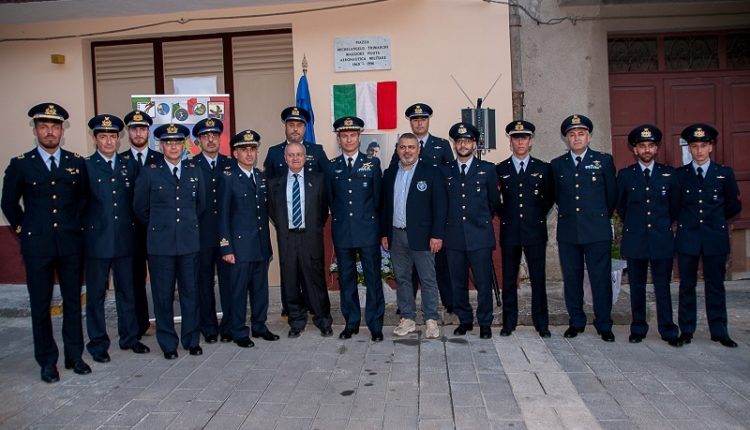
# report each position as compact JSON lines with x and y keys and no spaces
{"x":185,"y":109}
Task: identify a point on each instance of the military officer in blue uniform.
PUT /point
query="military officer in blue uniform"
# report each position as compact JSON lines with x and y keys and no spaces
{"x":213,"y":164}
{"x":709,"y":198}
{"x":436,"y":152}
{"x":109,"y":227}
{"x":353,"y":181}
{"x":169,"y":198}
{"x":245,"y":240}
{"x":647,"y":203}
{"x":586,"y":194}
{"x":526,"y":196}
{"x":469,"y":232}
{"x":295,"y":123}
{"x":137,"y":124}
{"x":53,"y":185}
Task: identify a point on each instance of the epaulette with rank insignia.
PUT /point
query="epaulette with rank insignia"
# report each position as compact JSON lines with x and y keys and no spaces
{"x":228,"y":172}
{"x":77,"y":155}
{"x":333,"y":159}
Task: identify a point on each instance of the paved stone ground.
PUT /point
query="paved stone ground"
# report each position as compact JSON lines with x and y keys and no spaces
{"x":458,"y":382}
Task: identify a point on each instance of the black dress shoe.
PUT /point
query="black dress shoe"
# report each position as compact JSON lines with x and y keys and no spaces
{"x":463,"y":328}
{"x":347,"y":333}
{"x":673,"y":341}
{"x":686,"y":338}
{"x":226,"y":338}
{"x":140,"y":348}
{"x":572,"y":332}
{"x":49,"y":373}
{"x":545,"y":334}
{"x":79,"y":367}
{"x":267,"y":335}
{"x":449,"y":309}
{"x":485,"y":332}
{"x":294,"y":332}
{"x":170,"y":355}
{"x":244,"y":342}
{"x":635,"y":338}
{"x":101,"y":357}
{"x":505,"y":332}
{"x":195,"y":350}
{"x":212,"y":338}
{"x":725,"y":340}
{"x":377,"y":336}
{"x":326,"y":332}
{"x":607,"y":336}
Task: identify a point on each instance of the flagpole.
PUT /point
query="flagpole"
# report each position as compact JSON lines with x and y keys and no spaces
{"x":304,"y":64}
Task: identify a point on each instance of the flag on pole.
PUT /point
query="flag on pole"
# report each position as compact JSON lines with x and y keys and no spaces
{"x":374,"y":102}
{"x":305,"y":102}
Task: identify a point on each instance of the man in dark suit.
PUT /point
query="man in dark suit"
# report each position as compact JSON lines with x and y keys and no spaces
{"x":527,"y":195}
{"x":54,"y":187}
{"x":169,"y":198}
{"x":353,"y":184}
{"x":647,"y":203}
{"x":709,"y":197}
{"x":295,"y":123}
{"x":469,"y":233}
{"x":245,"y":240}
{"x":137,"y":124}
{"x":298,"y":208}
{"x":412,"y":226}
{"x":208,"y":131}
{"x":109,"y":226}
{"x":586,"y":194}
{"x":436,"y":152}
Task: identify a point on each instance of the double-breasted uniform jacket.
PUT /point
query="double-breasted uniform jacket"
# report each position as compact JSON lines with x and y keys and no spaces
{"x":50,"y":222}
{"x":426,"y":206}
{"x":647,"y":211}
{"x":471,"y":205}
{"x":243,"y":216}
{"x":704,"y":210}
{"x":170,"y":208}
{"x":586,"y":196}
{"x":275,"y":164}
{"x":354,"y":199}
{"x":436,"y":152}
{"x":525,"y":202}
{"x":208,"y":221}
{"x":109,"y":223}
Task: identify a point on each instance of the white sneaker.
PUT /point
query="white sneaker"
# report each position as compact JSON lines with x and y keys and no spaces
{"x":405,"y":327}
{"x":433,"y":331}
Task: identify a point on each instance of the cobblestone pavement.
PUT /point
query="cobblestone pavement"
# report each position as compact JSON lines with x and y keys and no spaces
{"x":458,"y":382}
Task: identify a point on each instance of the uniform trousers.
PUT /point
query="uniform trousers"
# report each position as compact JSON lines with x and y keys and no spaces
{"x":599,"y":265}
{"x":535,"y":259}
{"x":248,"y":279}
{"x":661,"y":271}
{"x":480,"y":262}
{"x":375,"y":307}
{"x":714,"y":270}
{"x":165,"y":271}
{"x":140,"y":272}
{"x":210,"y":263}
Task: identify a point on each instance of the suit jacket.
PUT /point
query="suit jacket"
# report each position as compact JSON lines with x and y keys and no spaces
{"x":170,"y":208}
{"x":209,"y":220}
{"x":315,"y":211}
{"x":586,"y":196}
{"x":471,"y":205}
{"x":109,"y":223}
{"x":275,"y":164}
{"x":647,"y":211}
{"x":243,"y":216}
{"x":525,"y":202}
{"x":426,"y":206}
{"x":436,"y":152}
{"x":704,"y":210}
{"x":152,"y":158}
{"x":354,"y":199}
{"x":50,"y":221}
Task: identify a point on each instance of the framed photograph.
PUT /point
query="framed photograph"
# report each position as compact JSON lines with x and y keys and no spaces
{"x":380,"y":145}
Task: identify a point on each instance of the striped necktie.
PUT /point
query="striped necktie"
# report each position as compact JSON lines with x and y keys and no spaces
{"x":296,"y":203}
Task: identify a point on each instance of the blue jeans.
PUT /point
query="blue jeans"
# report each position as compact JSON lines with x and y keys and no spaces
{"x":404,"y":259}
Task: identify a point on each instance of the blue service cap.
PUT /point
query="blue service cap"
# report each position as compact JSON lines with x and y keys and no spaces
{"x":171,"y":131}
{"x":463,"y":130}
{"x":138,"y":118}
{"x":294,"y":113}
{"x":520,"y":127}
{"x":106,"y":123}
{"x":348,"y":123}
{"x":245,"y":138}
{"x":576,"y":121}
{"x":644,"y":133}
{"x":48,"y":111}
{"x":700,"y":133}
{"x":208,"y":125}
{"x":418,"y":110}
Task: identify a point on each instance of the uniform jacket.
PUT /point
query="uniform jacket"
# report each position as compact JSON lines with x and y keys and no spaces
{"x":109,"y":223}
{"x":647,"y":211}
{"x":354,"y":199}
{"x":243,"y":216}
{"x":586,"y":196}
{"x":704,"y":210}
{"x":471,"y":205}
{"x":153,"y":157}
{"x":525,"y":202}
{"x":426,"y":206}
{"x":50,"y":221}
{"x":209,"y":220}
{"x":275,"y":164}
{"x":436,"y":152}
{"x":315,"y":212}
{"x":170,"y":208}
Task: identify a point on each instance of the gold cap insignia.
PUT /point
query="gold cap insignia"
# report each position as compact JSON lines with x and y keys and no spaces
{"x":50,"y":110}
{"x":248,"y":137}
{"x":172,"y":129}
{"x":137,"y":116}
{"x":106,"y":122}
{"x":418,"y":109}
{"x":699,"y":132}
{"x":224,"y":242}
{"x":462,"y":129}
{"x":348,"y":122}
{"x":295,"y":111}
{"x":646,"y":133}
{"x":519,"y":126}
{"x":210,"y":123}
{"x":575,"y":120}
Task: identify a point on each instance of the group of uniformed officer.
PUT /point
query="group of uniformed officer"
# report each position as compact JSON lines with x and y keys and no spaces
{"x":193,"y":217}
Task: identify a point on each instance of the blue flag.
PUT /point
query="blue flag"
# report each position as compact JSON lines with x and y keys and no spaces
{"x":304,"y":101}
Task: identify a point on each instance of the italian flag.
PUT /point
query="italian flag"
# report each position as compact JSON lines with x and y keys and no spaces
{"x":374,"y":102}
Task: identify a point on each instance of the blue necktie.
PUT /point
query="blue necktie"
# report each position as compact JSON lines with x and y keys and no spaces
{"x":296,"y":203}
